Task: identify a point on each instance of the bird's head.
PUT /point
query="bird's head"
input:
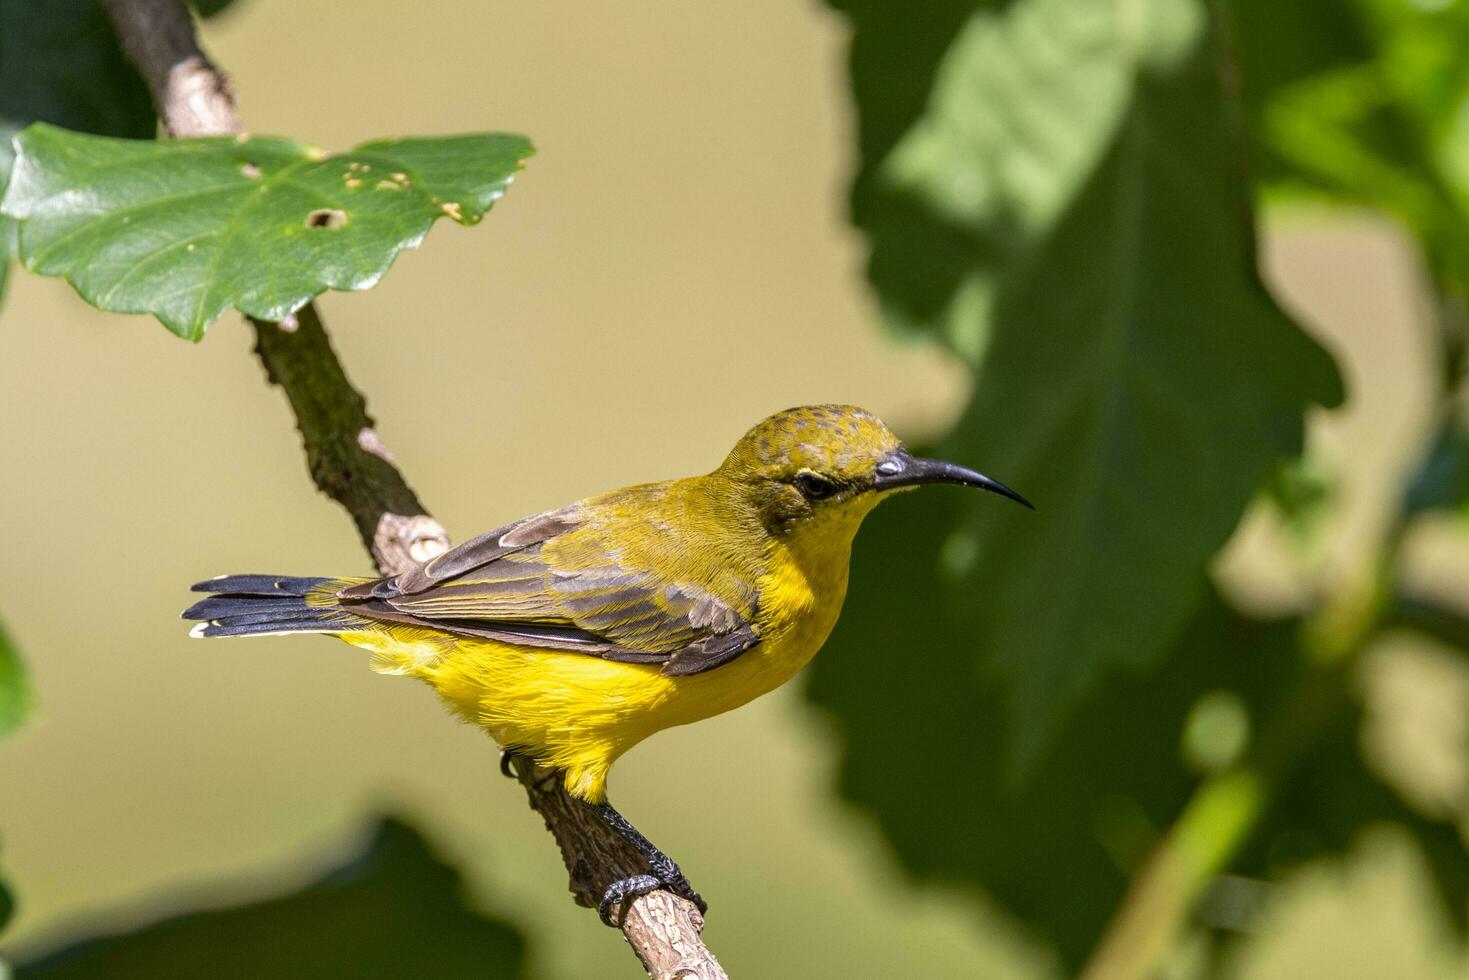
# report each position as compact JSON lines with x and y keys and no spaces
{"x":828,"y":465}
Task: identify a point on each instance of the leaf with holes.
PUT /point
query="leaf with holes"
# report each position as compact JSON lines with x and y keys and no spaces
{"x":187,"y":229}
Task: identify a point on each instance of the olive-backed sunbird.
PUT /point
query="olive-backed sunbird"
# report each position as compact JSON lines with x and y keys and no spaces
{"x":574,"y":634}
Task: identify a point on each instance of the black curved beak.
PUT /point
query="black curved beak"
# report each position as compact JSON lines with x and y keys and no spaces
{"x":901,"y":468}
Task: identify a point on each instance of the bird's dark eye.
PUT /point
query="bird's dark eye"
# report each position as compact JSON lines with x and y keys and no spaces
{"x":814,"y":486}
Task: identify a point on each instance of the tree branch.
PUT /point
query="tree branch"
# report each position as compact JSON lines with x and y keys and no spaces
{"x":193,"y":97}
{"x":347,"y":460}
{"x":349,"y":463}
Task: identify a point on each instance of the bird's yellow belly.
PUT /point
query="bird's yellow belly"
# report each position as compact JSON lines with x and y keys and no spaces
{"x":579,"y":713}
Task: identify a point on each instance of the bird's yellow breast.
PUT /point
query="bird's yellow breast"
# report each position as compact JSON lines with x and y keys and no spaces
{"x":579,"y":713}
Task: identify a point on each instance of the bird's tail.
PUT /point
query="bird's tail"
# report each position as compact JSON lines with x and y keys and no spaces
{"x":253,"y":605}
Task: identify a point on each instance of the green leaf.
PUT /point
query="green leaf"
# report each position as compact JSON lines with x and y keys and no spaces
{"x":186,"y":229}
{"x":60,"y":63}
{"x":1359,"y":102}
{"x":1023,"y":105}
{"x":7,"y":912}
{"x":1432,"y":617}
{"x":396,"y":911}
{"x":1330,"y":798}
{"x":1057,"y":851}
{"x":917,"y":261}
{"x":1136,"y":381}
{"x":7,"y":251}
{"x":211,"y":8}
{"x":15,"y":695}
{"x":7,"y":909}
{"x":1442,"y":479}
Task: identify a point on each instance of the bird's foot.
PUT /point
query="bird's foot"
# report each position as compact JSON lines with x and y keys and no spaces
{"x":672,"y":878}
{"x":687,"y":891}
{"x":613,"y":906}
{"x":621,"y":891}
{"x":507,"y":763}
{"x":665,"y":872}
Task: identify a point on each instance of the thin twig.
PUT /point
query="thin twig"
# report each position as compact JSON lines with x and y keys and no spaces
{"x":346,"y":458}
{"x":348,"y":462}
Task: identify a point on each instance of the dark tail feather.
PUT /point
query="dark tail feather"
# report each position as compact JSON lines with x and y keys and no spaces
{"x":218,"y":606}
{"x":246,"y":605}
{"x":264,"y":585}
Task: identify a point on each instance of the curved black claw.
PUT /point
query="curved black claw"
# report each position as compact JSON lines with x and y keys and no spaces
{"x":685,"y":890}
{"x":620,"y":891}
{"x":671,"y":877}
{"x":507,"y":763}
{"x":665,"y":873}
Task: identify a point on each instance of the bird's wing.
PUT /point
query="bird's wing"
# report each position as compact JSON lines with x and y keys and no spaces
{"x":508,"y":585}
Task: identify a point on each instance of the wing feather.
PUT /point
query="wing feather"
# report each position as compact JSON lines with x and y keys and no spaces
{"x":513,"y":585}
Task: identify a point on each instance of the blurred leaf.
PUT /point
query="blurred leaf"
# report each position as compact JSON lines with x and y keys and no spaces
{"x":7,"y":911}
{"x":7,"y":907}
{"x":209,"y":8}
{"x":1442,"y":479}
{"x":1057,"y":850}
{"x":396,"y":911}
{"x":1302,"y":492}
{"x":1330,"y":798}
{"x":1024,"y":104}
{"x":917,"y":262}
{"x":1363,"y":102}
{"x":186,"y":229}
{"x":1138,"y":384}
{"x":1431,"y":617}
{"x":60,"y":63}
{"x":15,"y":695}
{"x":1216,"y":732}
{"x":1279,"y":45}
{"x":7,"y":248}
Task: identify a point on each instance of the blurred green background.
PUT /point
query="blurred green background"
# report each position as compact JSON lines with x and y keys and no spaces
{"x":675,"y":263}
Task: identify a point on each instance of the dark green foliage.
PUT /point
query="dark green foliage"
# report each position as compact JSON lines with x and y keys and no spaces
{"x":15,"y":704}
{"x":896,"y":47}
{"x":395,"y":911}
{"x":1056,"y":849}
{"x":7,"y":905}
{"x":59,"y":63}
{"x":15,"y":697}
{"x":1063,"y":200}
{"x":211,"y":8}
{"x":1324,"y":805}
{"x":1442,"y":480}
{"x":1135,"y":381}
{"x":1359,"y":102}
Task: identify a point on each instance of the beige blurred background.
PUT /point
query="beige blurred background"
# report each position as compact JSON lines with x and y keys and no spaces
{"x":673,"y":265}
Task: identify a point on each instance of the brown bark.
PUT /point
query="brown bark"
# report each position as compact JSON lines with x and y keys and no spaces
{"x":349,"y":463}
{"x":347,"y":460}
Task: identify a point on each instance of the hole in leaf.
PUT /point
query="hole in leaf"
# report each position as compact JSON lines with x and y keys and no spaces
{"x":329,"y":218}
{"x":251,"y":170}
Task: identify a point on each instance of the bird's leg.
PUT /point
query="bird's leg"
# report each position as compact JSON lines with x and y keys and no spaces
{"x":665,"y":873}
